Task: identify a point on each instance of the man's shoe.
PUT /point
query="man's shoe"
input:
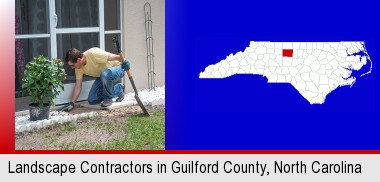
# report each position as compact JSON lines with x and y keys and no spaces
{"x":121,"y":96}
{"x":106,"y":103}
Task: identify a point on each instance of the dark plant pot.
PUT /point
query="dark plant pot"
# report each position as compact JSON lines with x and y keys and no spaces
{"x":37,"y":113}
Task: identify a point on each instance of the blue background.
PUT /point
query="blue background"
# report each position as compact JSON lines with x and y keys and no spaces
{"x":244,"y":111}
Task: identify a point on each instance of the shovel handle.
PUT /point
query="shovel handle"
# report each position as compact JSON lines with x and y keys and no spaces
{"x":129,"y":71}
{"x":116,"y":42}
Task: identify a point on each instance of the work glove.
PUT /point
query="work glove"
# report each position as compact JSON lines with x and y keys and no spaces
{"x":67,"y":107}
{"x":125,"y":65}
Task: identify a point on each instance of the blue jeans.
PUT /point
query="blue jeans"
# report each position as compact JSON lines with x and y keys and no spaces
{"x":104,"y":87}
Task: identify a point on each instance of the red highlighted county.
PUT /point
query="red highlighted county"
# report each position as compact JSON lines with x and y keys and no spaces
{"x":287,"y":52}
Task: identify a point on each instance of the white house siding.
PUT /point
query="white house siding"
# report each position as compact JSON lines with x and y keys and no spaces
{"x":134,"y":45}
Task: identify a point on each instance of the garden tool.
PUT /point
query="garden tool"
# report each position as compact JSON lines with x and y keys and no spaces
{"x":116,"y":43}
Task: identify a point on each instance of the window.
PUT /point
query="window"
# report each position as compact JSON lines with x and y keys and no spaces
{"x":77,"y":13}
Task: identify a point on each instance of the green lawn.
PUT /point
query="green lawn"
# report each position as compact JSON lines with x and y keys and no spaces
{"x":140,"y":133}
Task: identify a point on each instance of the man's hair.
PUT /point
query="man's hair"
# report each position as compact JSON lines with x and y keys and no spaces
{"x":72,"y":55}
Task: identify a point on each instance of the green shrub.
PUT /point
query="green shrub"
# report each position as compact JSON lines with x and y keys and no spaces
{"x":43,"y":80}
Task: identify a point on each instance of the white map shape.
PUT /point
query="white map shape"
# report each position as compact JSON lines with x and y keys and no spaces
{"x":315,"y":69}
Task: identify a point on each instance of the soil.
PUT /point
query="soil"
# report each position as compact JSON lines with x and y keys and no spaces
{"x":109,"y":125}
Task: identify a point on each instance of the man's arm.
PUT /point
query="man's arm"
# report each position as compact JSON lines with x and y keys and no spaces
{"x":77,"y":90}
{"x":124,"y":63}
{"x":113,"y":57}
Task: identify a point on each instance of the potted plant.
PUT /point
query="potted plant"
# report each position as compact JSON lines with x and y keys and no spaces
{"x":43,"y":78}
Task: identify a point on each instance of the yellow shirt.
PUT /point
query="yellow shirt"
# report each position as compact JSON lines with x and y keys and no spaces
{"x":96,"y":63}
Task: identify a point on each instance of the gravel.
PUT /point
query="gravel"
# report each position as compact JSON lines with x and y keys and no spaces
{"x":153,"y":97}
{"x":23,"y":123}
